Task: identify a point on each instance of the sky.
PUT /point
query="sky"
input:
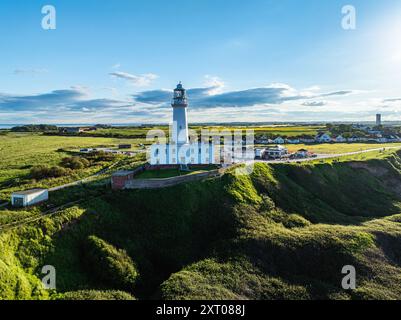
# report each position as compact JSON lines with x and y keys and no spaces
{"x":259,"y":60}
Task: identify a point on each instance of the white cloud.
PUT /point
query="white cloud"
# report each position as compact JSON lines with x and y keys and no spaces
{"x":275,"y":102}
{"x":314,"y":103}
{"x":143,"y":80}
{"x":31,"y":71}
{"x":215,"y":83}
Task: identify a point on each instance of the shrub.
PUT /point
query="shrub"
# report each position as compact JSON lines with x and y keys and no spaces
{"x":43,"y":172}
{"x":103,"y":156}
{"x":75,"y":163}
{"x":111,"y":264}
{"x":96,"y":295}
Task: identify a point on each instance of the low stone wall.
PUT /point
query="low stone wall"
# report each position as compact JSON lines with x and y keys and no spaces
{"x":169,"y":182}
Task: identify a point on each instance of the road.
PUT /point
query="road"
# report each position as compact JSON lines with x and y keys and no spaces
{"x":326,"y":156}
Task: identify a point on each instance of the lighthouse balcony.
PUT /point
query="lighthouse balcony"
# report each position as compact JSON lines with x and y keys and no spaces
{"x":179,"y":101}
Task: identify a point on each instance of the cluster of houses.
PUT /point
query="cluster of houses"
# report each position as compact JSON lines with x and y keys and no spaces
{"x":280,"y":152}
{"x":325,"y":137}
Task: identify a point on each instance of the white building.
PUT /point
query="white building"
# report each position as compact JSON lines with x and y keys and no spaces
{"x":276,"y":152}
{"x":180,"y":150}
{"x":259,"y":153}
{"x":279,"y":140}
{"x":340,"y":139}
{"x":323,"y":138}
{"x":29,"y":197}
{"x":293,"y":141}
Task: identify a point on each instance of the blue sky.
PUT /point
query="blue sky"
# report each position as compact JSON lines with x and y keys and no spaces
{"x":283,"y":60}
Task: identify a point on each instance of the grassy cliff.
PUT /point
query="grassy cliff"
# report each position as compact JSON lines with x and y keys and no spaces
{"x":284,"y":232}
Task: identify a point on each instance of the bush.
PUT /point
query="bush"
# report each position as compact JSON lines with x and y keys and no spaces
{"x":96,"y":295}
{"x":43,"y":172}
{"x":75,"y":163}
{"x":111,"y":264}
{"x":103,"y":156}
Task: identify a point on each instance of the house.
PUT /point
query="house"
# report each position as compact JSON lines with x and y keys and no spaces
{"x":301,"y":154}
{"x":307,"y":140}
{"x":279,"y":140}
{"x":276,"y":152}
{"x":354,"y":139}
{"x":259,"y":153}
{"x":323,"y":138}
{"x":293,"y":141}
{"x":29,"y":197}
{"x":340,"y":139}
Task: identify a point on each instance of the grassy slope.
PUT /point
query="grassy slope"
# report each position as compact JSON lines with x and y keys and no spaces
{"x":285,"y":232}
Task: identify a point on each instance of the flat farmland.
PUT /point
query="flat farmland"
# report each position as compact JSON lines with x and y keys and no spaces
{"x":339,"y":148}
{"x":284,"y":131}
{"x":19,"y":152}
{"x":141,"y":132}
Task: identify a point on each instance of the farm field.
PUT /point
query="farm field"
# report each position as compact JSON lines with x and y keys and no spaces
{"x":19,"y":152}
{"x":338,"y":148}
{"x":140,"y":132}
{"x":122,"y":132}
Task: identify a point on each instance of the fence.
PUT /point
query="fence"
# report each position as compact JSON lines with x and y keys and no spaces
{"x":169,"y":182}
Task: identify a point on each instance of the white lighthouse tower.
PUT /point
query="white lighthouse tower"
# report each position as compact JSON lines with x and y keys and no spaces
{"x":180,"y":150}
{"x":180,"y":122}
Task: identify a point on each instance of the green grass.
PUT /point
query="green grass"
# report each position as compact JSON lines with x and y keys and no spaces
{"x":19,"y":152}
{"x":161,"y":174}
{"x":169,"y":173}
{"x":284,"y":232}
{"x":339,"y":148}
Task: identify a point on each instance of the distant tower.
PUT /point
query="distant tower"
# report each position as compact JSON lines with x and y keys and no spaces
{"x":180,"y":122}
{"x":378,"y":120}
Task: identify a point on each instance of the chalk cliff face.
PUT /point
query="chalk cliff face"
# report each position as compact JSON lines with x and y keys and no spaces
{"x":283,"y":232}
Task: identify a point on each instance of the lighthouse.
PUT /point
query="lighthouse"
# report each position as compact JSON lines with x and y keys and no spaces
{"x":180,"y":122}
{"x":180,"y":151}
